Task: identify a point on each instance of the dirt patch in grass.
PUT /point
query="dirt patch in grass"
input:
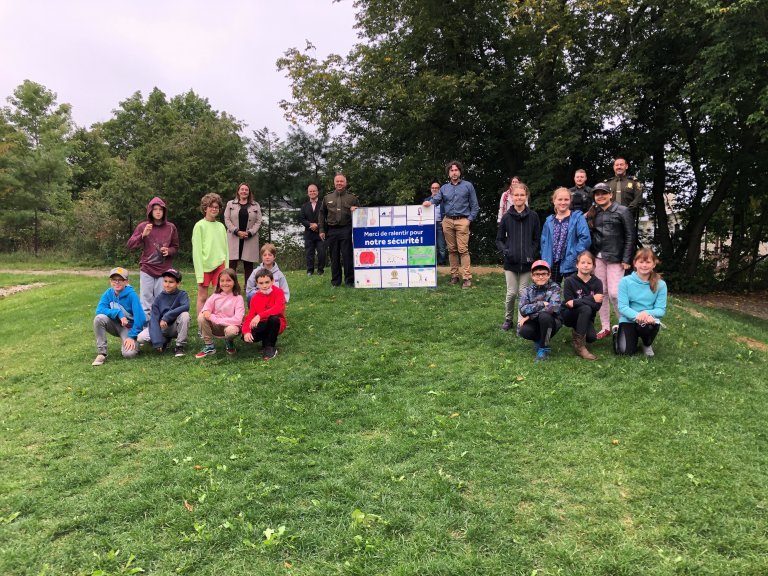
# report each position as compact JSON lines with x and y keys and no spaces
{"x":19,"y":288}
{"x":752,"y":343}
{"x":752,"y":304}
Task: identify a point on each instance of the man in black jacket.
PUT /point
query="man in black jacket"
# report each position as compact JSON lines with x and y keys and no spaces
{"x":312,"y":241}
{"x":612,"y":239}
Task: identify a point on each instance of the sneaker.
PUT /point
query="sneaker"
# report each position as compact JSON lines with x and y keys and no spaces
{"x":269,"y":352}
{"x":603,"y":333}
{"x":230,"y":346}
{"x":467,"y":283}
{"x":179,"y":352}
{"x":99,"y":360}
{"x":454,"y":280}
{"x":309,"y":273}
{"x":507,"y":325}
{"x":614,"y":329}
{"x":208,"y":350}
{"x":647,"y":350}
{"x":542,"y":354}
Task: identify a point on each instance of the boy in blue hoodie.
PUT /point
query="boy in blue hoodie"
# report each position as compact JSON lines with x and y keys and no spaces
{"x":118,"y":313}
{"x":170,"y":316}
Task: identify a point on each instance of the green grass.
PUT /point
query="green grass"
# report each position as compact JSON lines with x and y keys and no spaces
{"x":398,"y":432}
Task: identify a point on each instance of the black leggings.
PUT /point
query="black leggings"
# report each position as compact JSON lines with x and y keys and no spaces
{"x":582,"y":319}
{"x":541,"y":329}
{"x":625,"y":340}
{"x":267,"y":331}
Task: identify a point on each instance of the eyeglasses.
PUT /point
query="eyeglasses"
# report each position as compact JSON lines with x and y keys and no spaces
{"x":214,"y":207}
{"x":543,"y":273}
{"x":117,"y":280}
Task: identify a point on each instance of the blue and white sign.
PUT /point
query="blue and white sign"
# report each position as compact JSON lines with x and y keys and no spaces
{"x":394,"y":247}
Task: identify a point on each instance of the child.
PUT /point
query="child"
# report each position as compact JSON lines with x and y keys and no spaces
{"x":517,"y":239}
{"x":583,"y":295}
{"x":268,"y":254}
{"x":222,"y":314}
{"x":565,"y":234}
{"x":170,"y":316}
{"x":160,"y":242}
{"x":642,"y":305}
{"x":266,"y":314}
{"x":209,"y":247}
{"x":118,"y":313}
{"x":539,"y":309}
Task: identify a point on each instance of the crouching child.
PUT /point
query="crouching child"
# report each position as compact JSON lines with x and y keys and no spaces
{"x":540,"y":309}
{"x":170,"y":316}
{"x":266,"y":314}
{"x":120,"y":314}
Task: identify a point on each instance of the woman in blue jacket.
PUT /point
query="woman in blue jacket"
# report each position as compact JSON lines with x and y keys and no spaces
{"x":564,"y":236}
{"x":642,"y":305}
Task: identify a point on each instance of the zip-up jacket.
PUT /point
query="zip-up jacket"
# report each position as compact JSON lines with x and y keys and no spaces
{"x":518,"y":238}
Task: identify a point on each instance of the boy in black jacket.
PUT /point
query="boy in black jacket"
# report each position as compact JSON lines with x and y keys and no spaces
{"x":170,"y":316}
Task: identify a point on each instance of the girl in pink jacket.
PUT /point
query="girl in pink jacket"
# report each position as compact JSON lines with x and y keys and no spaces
{"x":222,"y":314}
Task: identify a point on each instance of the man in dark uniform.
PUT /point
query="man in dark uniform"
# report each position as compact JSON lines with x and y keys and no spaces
{"x":312,"y":242}
{"x":581,"y":194}
{"x":626,"y":190}
{"x":335,"y":225}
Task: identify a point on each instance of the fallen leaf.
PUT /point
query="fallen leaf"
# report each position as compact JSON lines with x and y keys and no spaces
{"x":615,"y":441}
{"x":198,"y":467}
{"x":188,"y":506}
{"x":455,"y":415}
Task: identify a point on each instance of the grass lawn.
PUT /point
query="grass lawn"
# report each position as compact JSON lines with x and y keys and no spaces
{"x":398,"y":432}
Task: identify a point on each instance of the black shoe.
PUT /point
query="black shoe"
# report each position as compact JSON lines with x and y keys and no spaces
{"x":179,"y":351}
{"x":269,"y":352}
{"x":319,"y":272}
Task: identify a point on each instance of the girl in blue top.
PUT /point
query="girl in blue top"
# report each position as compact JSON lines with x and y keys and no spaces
{"x":642,"y":305}
{"x":564,"y":236}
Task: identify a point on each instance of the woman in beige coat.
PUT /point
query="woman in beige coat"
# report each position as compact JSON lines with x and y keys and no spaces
{"x":242,"y":217}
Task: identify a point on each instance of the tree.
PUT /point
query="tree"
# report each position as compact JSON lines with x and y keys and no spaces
{"x":36,"y":137}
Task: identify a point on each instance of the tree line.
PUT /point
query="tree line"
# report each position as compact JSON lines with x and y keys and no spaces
{"x":536,"y":88}
{"x":540,"y":88}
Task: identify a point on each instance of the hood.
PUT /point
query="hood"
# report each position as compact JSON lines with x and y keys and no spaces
{"x":518,"y":215}
{"x":637,"y":280}
{"x":159,"y":201}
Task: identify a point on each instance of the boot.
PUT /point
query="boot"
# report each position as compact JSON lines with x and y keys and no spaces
{"x":580,"y":347}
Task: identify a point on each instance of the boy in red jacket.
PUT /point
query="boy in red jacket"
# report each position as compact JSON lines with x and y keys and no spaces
{"x":266,"y":314}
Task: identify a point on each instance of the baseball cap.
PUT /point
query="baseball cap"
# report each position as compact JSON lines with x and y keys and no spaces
{"x":601,"y":187}
{"x":173,"y":273}
{"x":119,"y":271}
{"x":540,"y":264}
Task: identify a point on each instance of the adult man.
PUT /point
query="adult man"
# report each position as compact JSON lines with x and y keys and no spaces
{"x":581,"y":194}
{"x":612,"y":241}
{"x":312,"y":242}
{"x":440,"y":245}
{"x":335,"y":223}
{"x":459,"y":203}
{"x":626,"y":190}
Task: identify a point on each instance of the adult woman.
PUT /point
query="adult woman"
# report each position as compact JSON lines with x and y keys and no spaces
{"x":642,"y":305}
{"x":505,"y":203}
{"x":242,"y":217}
{"x":564,"y":236}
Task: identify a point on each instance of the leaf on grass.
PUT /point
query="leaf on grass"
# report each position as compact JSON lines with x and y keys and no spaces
{"x":188,"y":506}
{"x":455,"y":415}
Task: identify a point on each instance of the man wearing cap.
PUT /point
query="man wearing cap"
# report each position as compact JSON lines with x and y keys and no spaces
{"x":120,"y":314}
{"x":612,"y":240}
{"x":170,"y":316}
{"x":540,"y":309}
{"x":458,"y":200}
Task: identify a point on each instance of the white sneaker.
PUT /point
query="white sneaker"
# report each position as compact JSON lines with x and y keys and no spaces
{"x":647,"y":350}
{"x":100,"y":359}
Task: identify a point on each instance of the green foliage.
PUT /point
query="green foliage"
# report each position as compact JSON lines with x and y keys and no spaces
{"x":398,"y":432}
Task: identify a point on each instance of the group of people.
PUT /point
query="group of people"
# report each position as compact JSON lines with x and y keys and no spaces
{"x":586,"y":246}
{"x":161,"y":313}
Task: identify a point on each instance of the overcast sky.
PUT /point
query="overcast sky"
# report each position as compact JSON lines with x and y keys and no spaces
{"x":95,"y":53}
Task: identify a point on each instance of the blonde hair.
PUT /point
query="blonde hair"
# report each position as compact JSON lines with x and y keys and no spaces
{"x":558,"y":190}
{"x":521,"y":186}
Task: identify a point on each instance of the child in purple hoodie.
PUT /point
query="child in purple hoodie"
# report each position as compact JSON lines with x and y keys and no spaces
{"x":159,"y":241}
